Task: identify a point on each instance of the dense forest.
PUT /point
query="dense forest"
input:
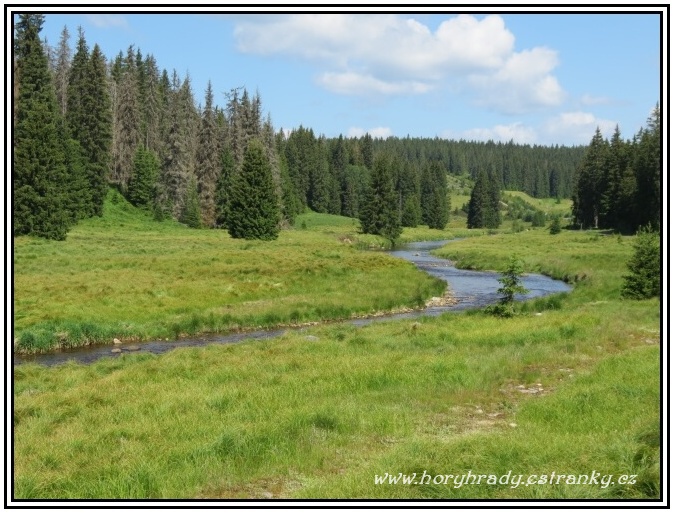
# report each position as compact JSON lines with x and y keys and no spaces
{"x":618,"y":182}
{"x":83,"y":123}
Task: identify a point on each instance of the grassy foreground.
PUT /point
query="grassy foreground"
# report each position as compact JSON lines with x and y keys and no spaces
{"x":574,"y":390}
{"x":125,"y":275}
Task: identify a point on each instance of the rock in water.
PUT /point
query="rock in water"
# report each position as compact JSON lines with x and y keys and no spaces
{"x":116,"y":341}
{"x":116,"y":350}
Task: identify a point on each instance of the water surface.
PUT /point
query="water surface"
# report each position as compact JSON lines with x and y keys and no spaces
{"x":472,"y":289}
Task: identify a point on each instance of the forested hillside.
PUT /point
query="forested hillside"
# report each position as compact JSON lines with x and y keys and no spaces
{"x":83,"y":122}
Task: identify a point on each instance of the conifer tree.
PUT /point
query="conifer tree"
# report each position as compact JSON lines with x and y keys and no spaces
{"x":126,"y":135}
{"x":483,"y":207}
{"x":62,"y":70}
{"x":356,"y":186}
{"x":77,"y":84}
{"x":227,"y":170}
{"x":191,"y":214}
{"x":409,"y":191}
{"x":89,"y":118}
{"x":589,"y":185}
{"x":208,"y":160}
{"x":643,"y":280}
{"x":434,"y":203}
{"x":78,"y":189}
{"x":380,"y":213}
{"x":301,"y":155}
{"x":253,"y":211}
{"x":142,"y":186}
{"x":152,"y":106}
{"x":179,"y":156}
{"x":617,"y":160}
{"x":511,"y":285}
{"x":41,"y":185}
{"x":648,"y":172}
{"x":318,"y":195}
{"x":96,"y":139}
{"x":367,"y":150}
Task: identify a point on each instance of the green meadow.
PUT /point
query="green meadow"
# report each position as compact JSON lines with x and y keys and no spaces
{"x":571,"y":385}
{"x":126,"y":276}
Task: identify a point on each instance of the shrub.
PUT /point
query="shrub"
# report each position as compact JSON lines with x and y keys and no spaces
{"x":511,"y":285}
{"x":555,"y":226}
{"x":643,"y":280}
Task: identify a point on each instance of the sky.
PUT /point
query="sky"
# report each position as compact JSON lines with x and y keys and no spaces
{"x":535,"y":78}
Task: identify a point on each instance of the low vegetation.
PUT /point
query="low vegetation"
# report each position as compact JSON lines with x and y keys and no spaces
{"x":128,"y":276}
{"x":571,"y":386}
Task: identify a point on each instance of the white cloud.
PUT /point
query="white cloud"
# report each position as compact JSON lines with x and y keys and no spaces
{"x":107,"y":21}
{"x":383,"y":44}
{"x":377,"y":132}
{"x":354,"y":83}
{"x":577,"y":127}
{"x":588,"y":99}
{"x":522,"y":84}
{"x":393,"y":55}
{"x":517,"y":132}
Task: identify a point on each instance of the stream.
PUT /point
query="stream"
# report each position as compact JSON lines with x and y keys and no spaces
{"x":472,"y":289}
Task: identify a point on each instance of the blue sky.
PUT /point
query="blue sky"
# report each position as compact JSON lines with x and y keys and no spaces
{"x":543,"y":78}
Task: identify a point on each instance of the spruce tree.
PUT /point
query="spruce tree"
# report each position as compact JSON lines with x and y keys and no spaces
{"x":643,"y":280}
{"x":610,"y":212}
{"x":191,"y":214}
{"x":511,"y":285}
{"x":647,"y":167}
{"x":589,"y":184}
{"x":301,"y":152}
{"x":222,"y":188}
{"x":126,"y":123}
{"x":478,"y":202}
{"x":41,"y":185}
{"x":89,"y":117}
{"x":62,"y":70}
{"x":76,"y":90}
{"x":409,"y":191}
{"x":356,"y":185}
{"x":434,"y":203}
{"x":483,"y":207}
{"x":380,"y":214}
{"x":319,"y":193}
{"x":179,"y":155}
{"x":493,"y":217}
{"x":253,"y":211}
{"x":142,"y":186}
{"x":96,"y":140}
{"x":208,"y":160}
{"x":555,"y":226}
{"x":78,"y":188}
{"x":367,"y":151}
{"x":152,"y":106}
{"x":291,"y":205}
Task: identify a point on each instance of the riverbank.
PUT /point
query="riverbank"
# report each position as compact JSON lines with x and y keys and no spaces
{"x":129,"y":277}
{"x":319,"y":413}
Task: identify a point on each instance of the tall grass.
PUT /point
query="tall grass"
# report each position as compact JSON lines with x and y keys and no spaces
{"x":573,"y":390}
{"x":127,"y":276}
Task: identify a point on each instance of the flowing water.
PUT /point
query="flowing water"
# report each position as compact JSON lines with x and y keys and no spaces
{"x":472,"y":289}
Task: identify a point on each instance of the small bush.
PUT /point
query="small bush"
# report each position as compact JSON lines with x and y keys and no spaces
{"x":511,"y":285}
{"x":555,"y":226}
{"x":643,"y":280}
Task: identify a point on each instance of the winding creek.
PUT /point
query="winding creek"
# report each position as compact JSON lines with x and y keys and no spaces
{"x":472,"y":289}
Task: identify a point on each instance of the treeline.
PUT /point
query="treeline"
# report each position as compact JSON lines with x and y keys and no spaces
{"x":618,"y":183}
{"x":540,"y":171}
{"x":82,"y":123}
